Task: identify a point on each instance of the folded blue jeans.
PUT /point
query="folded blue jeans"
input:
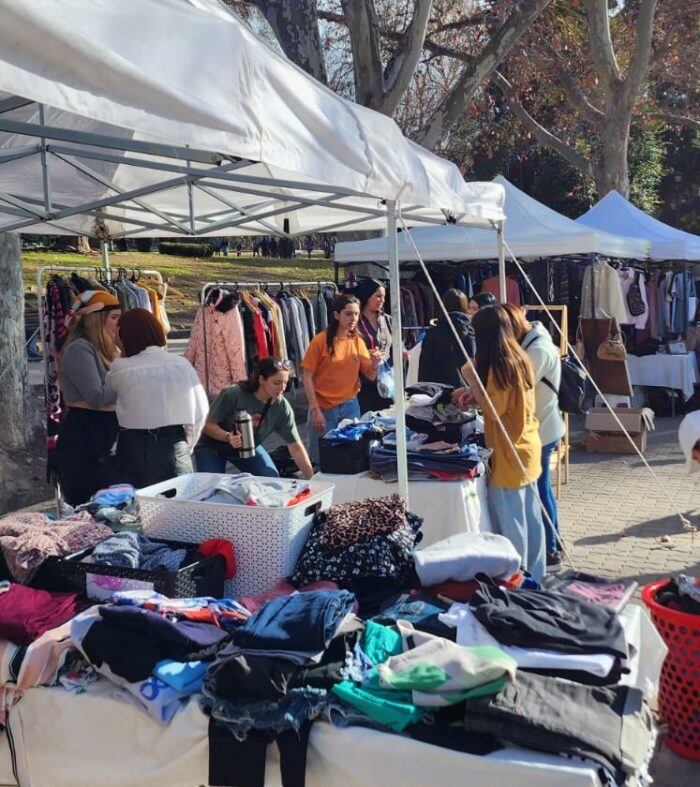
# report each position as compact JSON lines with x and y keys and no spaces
{"x":302,"y":622}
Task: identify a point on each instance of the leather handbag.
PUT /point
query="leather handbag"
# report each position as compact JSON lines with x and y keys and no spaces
{"x":612,"y":348}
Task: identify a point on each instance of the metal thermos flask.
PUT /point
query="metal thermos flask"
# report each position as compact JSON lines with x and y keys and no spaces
{"x":244,"y":427}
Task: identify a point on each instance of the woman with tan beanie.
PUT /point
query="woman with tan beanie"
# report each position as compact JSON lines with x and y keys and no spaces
{"x":90,"y":428}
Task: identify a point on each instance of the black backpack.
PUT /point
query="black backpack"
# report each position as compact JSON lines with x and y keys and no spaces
{"x":572,"y":387}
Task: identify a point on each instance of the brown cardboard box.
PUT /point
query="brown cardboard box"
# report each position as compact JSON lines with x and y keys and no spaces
{"x":614,"y":442}
{"x":600,"y":419}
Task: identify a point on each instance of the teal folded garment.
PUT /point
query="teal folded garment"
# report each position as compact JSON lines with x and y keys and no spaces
{"x":392,"y":709}
{"x":185,"y":676}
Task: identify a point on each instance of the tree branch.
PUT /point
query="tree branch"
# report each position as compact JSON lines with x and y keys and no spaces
{"x":574,"y":93}
{"x":602,"y":51}
{"x":639,"y":63}
{"x":542,"y":135}
{"x":401,"y":67}
{"x":674,"y":120}
{"x":478,"y":69}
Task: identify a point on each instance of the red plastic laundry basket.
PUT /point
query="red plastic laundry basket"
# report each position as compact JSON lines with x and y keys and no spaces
{"x":679,"y":687}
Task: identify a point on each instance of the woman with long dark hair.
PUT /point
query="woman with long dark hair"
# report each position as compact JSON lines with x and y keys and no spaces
{"x":375,"y":329}
{"x":90,"y":428}
{"x":332,"y":365}
{"x":161,"y":405}
{"x":262,"y":397}
{"x":506,"y":373}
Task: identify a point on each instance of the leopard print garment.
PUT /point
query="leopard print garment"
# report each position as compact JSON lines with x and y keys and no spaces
{"x":348,"y":523}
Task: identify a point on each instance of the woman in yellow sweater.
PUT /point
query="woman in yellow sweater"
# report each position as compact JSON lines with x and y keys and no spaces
{"x":507,"y":374}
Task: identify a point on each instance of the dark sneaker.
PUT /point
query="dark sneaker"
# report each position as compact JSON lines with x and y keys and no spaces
{"x":554,"y":560}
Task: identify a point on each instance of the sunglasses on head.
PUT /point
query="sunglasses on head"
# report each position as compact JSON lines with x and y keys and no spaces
{"x":282,"y":365}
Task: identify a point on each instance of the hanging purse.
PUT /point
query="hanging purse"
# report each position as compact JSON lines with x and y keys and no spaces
{"x":612,"y":348}
{"x":635,"y":302}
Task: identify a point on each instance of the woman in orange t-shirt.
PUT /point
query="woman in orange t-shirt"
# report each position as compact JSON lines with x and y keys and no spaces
{"x":332,"y":366}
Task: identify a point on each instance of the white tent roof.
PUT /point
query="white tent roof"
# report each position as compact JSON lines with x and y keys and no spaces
{"x":614,"y":213}
{"x":163,"y":99}
{"x":531,"y":230}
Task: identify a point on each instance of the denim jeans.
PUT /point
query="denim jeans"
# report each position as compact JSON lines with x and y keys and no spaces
{"x":544,"y":487}
{"x":147,"y":457}
{"x":333,"y":416}
{"x":515,"y":514}
{"x":261,"y":464}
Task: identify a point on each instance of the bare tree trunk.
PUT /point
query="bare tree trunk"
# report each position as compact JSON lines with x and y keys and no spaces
{"x":19,"y":417}
{"x":612,"y":171}
{"x":82,"y":244}
{"x":295,"y":25}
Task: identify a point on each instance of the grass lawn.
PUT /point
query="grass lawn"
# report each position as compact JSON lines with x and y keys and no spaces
{"x":187,"y":274}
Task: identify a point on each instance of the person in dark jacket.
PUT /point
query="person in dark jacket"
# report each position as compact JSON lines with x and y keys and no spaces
{"x":441,"y":357}
{"x":479,"y":301}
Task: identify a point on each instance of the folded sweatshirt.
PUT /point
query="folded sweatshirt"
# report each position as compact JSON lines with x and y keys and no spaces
{"x":461,"y":557}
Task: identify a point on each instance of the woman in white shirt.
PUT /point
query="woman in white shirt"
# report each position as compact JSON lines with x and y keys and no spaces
{"x":161,"y":404}
{"x":537,"y":343}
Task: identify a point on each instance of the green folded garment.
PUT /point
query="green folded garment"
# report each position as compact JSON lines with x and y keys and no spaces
{"x":392,"y":709}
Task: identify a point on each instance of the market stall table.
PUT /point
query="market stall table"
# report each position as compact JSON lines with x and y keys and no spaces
{"x":446,"y":507}
{"x":79,"y":740}
{"x":678,"y":372}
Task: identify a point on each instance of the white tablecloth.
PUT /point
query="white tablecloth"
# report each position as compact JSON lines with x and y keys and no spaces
{"x":447,"y":507}
{"x":66,"y":740}
{"x":679,"y":372}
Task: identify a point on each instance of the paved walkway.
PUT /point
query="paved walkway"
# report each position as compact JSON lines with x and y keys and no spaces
{"x":617,"y":520}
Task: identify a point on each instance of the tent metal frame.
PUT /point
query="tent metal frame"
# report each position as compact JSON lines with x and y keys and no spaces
{"x":216,"y":174}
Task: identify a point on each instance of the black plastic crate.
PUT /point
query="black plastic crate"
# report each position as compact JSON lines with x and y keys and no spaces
{"x":197,"y":576}
{"x":346,"y":457}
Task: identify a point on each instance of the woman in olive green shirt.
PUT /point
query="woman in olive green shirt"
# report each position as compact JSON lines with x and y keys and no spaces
{"x":262,"y":396}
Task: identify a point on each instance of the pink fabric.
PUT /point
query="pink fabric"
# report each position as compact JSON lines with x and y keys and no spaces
{"x":225,"y":349}
{"x":283,"y":588}
{"x":27,"y":539}
{"x":512,"y":290}
{"x":39,"y":667}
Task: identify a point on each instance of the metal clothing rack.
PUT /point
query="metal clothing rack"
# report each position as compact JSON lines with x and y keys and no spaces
{"x":262,"y":285}
{"x":93,"y":270}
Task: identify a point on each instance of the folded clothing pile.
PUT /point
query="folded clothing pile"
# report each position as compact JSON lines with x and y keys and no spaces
{"x":245,"y":490}
{"x":543,"y":632}
{"x":610,"y":726}
{"x":115,"y":505}
{"x":353,"y":431}
{"x":613,"y":593}
{"x":221,"y":612}
{"x":431,"y":412}
{"x":374,"y":559}
{"x":462,"y":556}
{"x":272,"y":680}
{"x":448,"y":462}
{"x":28,"y":539}
{"x":27,"y":613}
{"x":133,"y":550}
{"x":153,"y":660}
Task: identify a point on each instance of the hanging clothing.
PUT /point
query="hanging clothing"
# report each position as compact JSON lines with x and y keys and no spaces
{"x":512,"y":290}
{"x":601,"y":290}
{"x":216,"y":348}
{"x":441,"y":357}
{"x":628,"y":276}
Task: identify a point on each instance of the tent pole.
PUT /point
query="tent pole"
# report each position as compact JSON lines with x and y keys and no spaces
{"x":501,"y":263}
{"x":397,"y":348}
{"x":105,"y":257}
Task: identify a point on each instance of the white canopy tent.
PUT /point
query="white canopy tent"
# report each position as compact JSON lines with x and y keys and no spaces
{"x":532,"y":230}
{"x":614,"y":213}
{"x":171,"y":117}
